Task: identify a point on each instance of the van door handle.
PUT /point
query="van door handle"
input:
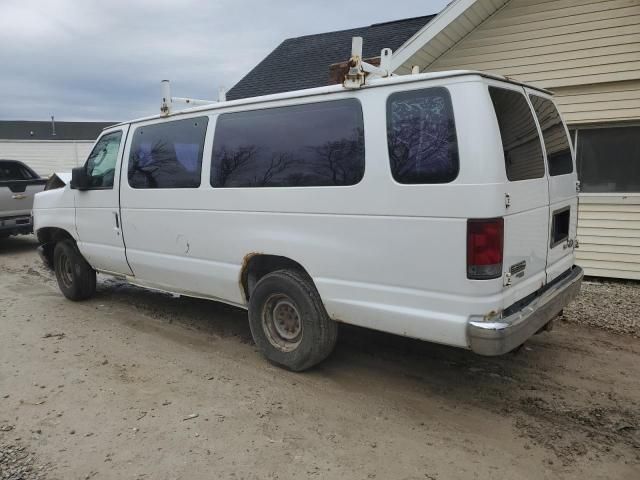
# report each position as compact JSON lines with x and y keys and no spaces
{"x":117,"y":219}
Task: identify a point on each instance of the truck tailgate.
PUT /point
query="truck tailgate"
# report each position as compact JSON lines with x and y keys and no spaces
{"x":16,"y":196}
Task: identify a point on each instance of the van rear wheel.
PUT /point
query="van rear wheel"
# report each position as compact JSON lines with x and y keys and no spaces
{"x":288,"y":321}
{"x":76,"y":278}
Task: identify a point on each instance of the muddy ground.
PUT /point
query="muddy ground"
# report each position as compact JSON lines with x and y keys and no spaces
{"x":140,"y":385}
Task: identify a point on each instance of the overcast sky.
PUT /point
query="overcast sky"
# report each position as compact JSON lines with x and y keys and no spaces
{"x":104,"y":59}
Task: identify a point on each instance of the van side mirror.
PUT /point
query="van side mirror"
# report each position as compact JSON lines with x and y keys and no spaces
{"x":79,"y":179}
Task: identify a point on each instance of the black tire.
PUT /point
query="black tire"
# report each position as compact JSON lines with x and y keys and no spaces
{"x":280,"y":298}
{"x":76,"y":278}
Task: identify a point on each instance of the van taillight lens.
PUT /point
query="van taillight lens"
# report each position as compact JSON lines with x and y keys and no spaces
{"x":485,"y":241}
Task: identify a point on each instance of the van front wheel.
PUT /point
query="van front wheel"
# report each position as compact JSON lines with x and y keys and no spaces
{"x":288,"y":321}
{"x":76,"y":278}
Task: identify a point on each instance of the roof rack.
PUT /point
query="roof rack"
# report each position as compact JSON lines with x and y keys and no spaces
{"x":166,"y":105}
{"x":356,"y":77}
{"x":359,"y":70}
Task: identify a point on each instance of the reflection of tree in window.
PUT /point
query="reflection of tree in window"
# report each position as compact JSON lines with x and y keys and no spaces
{"x":227,"y":162}
{"x":168,"y":155}
{"x":334,"y":157}
{"x":160,"y":167}
{"x":421,"y":137}
{"x":319,"y":144}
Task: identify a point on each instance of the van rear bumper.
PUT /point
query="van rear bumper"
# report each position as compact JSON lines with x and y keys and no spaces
{"x":498,"y":336}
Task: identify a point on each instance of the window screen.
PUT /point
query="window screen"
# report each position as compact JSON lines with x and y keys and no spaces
{"x":554,"y":135}
{"x":318,"y":144}
{"x":421,"y":136}
{"x":101,"y":164}
{"x":609,"y":159}
{"x":168,"y":155}
{"x":520,"y":140}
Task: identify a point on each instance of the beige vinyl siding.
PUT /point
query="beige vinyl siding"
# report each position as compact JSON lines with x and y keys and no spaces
{"x":587,"y":52}
{"x":545,"y":42}
{"x":451,"y":33}
{"x":47,"y":157}
{"x":609,"y":235}
{"x":605,"y":102}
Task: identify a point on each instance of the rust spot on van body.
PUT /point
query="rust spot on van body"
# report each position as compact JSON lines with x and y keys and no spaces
{"x":247,"y":258}
{"x":243,"y":273}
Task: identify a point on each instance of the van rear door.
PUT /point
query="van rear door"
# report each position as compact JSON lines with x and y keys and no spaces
{"x":526,"y":190}
{"x":563,"y":201}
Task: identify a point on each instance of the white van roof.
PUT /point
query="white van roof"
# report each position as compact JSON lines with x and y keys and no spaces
{"x":378,"y":82}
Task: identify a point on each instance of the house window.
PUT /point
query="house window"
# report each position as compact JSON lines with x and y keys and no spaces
{"x":421,"y":136}
{"x":310,"y":145}
{"x":168,"y":154}
{"x":609,"y":159}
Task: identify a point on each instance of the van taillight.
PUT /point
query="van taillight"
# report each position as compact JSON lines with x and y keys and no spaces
{"x":485,"y":240}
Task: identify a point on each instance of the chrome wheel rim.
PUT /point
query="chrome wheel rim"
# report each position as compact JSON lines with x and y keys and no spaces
{"x":282,"y":322}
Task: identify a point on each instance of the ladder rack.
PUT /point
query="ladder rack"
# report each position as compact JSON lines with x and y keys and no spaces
{"x":166,"y":104}
{"x":356,"y":77}
{"x":359,"y":70}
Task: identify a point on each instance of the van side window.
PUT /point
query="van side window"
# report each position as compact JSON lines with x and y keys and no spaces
{"x":421,"y":136}
{"x":554,"y":135}
{"x":168,"y":154}
{"x":317,"y":144}
{"x":520,"y":140}
{"x":101,"y":164}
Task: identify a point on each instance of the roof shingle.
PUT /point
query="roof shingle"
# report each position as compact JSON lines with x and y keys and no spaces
{"x":303,"y":62}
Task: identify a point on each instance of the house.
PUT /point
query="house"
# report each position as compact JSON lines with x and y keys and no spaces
{"x":587,"y":53}
{"x":48,"y":147}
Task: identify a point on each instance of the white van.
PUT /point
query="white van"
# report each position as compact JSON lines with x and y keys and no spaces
{"x":438,"y":206}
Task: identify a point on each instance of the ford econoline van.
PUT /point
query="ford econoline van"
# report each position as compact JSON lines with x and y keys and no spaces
{"x":438,"y":206}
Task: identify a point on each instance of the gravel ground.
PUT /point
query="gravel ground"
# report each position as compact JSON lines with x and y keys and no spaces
{"x":607,"y":304}
{"x":16,"y":461}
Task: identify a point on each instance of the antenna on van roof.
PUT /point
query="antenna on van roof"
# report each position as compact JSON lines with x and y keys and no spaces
{"x":359,"y":70}
{"x":166,"y":105}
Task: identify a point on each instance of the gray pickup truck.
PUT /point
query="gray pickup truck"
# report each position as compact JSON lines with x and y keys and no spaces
{"x":18,"y":185}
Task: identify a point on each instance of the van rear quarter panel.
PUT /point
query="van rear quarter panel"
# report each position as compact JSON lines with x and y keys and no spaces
{"x":382,"y":255}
